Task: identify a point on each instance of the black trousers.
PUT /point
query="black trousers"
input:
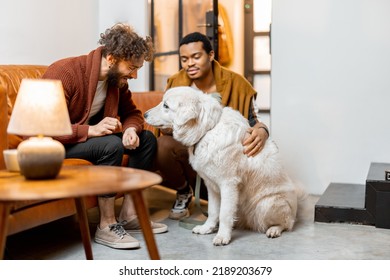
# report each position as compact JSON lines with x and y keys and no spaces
{"x":109,"y":150}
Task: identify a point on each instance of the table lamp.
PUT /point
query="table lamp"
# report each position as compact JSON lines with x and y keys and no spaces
{"x":40,"y":111}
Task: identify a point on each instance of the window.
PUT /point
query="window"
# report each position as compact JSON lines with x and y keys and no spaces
{"x":257,"y":63}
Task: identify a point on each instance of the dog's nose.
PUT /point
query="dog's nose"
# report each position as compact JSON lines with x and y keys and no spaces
{"x":146,"y":114}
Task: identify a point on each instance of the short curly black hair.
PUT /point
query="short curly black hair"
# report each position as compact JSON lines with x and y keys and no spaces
{"x":197,"y":37}
{"x":124,"y":43}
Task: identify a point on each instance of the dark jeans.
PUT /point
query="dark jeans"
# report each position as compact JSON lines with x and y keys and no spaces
{"x":109,"y":150}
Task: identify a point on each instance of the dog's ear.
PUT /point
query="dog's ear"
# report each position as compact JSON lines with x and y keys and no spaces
{"x":210,"y":111}
{"x":187,"y":113}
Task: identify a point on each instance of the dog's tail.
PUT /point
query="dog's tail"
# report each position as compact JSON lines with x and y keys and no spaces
{"x":304,"y":211}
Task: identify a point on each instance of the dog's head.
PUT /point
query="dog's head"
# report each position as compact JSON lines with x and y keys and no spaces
{"x":187,"y":111}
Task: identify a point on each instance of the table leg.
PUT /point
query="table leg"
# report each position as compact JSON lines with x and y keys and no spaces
{"x":84,"y":227}
{"x":143,"y":217}
{"x":4,"y":214}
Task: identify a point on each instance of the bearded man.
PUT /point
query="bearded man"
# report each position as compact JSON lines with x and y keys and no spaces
{"x":106,"y":123}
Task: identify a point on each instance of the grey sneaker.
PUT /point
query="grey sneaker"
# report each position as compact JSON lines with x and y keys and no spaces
{"x":134,"y":227}
{"x":116,"y":237}
{"x":180,"y":207}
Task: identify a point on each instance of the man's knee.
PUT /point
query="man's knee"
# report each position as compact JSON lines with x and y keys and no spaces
{"x":166,"y":144}
{"x":111,"y":152}
{"x":114,"y":145}
{"x":169,"y":147}
{"x":148,"y":138}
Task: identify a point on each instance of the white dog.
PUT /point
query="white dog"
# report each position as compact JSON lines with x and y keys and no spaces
{"x":247,"y":192}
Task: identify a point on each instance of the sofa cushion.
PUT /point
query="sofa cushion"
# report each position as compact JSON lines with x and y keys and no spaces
{"x":147,"y":100}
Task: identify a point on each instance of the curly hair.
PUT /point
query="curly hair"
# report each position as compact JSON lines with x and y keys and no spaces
{"x":124,"y":43}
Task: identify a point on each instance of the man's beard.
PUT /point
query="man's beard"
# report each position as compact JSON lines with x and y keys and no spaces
{"x":114,"y":77}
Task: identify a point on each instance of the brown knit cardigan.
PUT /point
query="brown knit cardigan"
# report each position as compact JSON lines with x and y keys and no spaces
{"x":79,"y":76}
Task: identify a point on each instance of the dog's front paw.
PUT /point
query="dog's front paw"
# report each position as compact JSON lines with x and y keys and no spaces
{"x":221,"y":240}
{"x":274,"y":231}
{"x":203,"y":229}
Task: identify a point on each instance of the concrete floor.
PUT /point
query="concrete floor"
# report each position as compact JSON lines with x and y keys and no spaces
{"x":309,"y":240}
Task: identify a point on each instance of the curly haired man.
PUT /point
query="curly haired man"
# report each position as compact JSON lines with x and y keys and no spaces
{"x":106,"y":123}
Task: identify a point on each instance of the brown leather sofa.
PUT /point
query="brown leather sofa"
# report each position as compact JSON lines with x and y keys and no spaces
{"x":29,"y":214}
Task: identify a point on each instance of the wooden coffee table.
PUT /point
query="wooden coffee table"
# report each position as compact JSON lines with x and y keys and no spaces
{"x":77,"y":182}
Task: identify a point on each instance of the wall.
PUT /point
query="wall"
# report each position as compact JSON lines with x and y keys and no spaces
{"x":134,"y":13}
{"x":330,"y":88}
{"x":43,"y":31}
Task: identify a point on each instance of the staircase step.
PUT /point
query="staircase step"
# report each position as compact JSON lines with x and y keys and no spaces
{"x":378,"y":194}
{"x":343,"y":203}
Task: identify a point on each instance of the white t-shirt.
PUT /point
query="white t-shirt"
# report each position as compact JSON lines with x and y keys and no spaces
{"x":99,"y":99}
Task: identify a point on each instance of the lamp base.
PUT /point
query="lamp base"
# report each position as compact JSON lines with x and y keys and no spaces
{"x":40,"y":158}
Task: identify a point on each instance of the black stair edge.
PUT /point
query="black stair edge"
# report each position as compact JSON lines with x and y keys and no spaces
{"x":338,"y":215}
{"x":377,"y":172}
{"x":343,"y":203}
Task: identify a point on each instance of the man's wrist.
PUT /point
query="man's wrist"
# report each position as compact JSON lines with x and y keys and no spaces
{"x":132,"y":128}
{"x":265,"y":128}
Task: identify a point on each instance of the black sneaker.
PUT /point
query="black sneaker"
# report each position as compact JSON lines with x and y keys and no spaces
{"x":180,"y":207}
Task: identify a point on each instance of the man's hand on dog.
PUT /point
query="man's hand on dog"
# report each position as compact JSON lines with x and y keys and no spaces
{"x":255,"y":141}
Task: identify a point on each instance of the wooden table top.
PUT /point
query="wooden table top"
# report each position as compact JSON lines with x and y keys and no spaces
{"x":76,"y":181}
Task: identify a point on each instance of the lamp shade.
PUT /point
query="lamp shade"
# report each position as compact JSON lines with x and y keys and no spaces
{"x":40,"y":109}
